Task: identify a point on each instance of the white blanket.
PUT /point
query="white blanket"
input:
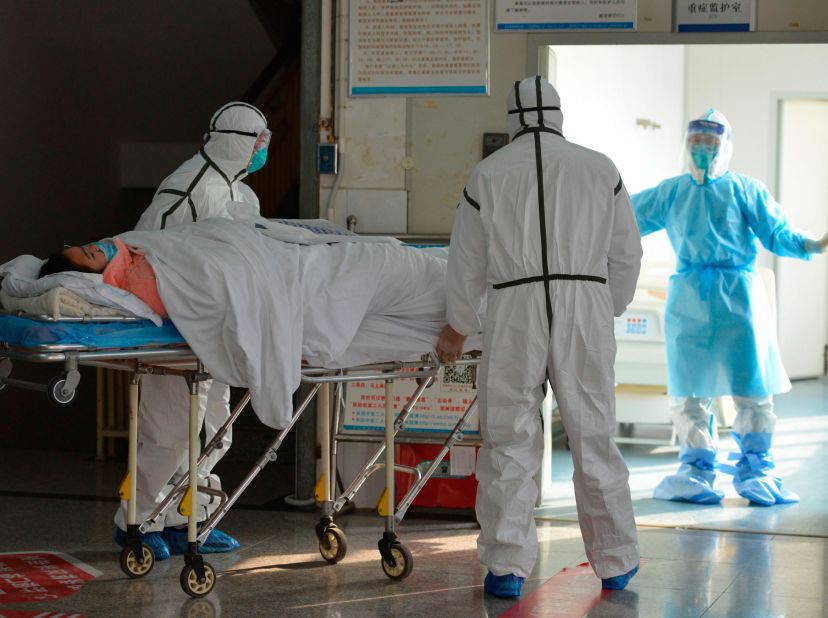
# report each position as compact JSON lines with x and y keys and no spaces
{"x":57,"y":303}
{"x":20,"y":280}
{"x":251,"y":307}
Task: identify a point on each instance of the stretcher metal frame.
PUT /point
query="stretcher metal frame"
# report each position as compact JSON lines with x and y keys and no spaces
{"x":198,"y":577}
{"x":395,"y":559}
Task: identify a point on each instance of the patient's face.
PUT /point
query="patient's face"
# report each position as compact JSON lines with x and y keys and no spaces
{"x":87,"y":257}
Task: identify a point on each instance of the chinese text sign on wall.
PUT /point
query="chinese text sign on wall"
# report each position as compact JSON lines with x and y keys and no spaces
{"x":405,"y":47}
{"x":718,"y":16}
{"x":565,"y":15}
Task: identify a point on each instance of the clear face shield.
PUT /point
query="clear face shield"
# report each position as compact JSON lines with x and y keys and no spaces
{"x":708,"y":150}
{"x":259,"y":155}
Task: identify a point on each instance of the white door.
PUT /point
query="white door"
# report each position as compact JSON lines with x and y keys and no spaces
{"x":802,"y":287}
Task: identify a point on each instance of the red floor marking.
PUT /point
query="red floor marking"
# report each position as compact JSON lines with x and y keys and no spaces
{"x":572,"y":592}
{"x":40,"y":576}
{"x":17,"y":614}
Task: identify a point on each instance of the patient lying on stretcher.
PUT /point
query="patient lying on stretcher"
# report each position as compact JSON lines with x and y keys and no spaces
{"x":121,"y":268}
{"x":253,"y":304}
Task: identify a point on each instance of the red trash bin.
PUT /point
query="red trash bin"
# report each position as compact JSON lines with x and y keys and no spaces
{"x":442,"y":490}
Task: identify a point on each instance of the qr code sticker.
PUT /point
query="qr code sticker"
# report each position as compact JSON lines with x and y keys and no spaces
{"x":458,"y":374}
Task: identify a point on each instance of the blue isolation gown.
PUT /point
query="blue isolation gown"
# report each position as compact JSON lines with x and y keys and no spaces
{"x":719,"y":332}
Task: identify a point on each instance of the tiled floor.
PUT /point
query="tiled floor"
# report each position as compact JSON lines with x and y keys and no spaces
{"x":736,"y":561}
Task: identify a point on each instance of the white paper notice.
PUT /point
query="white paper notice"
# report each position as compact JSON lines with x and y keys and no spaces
{"x":410,"y":47}
{"x":544,"y":15}
{"x":462,"y":460}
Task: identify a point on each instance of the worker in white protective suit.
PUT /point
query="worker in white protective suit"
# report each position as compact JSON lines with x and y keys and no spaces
{"x":208,"y":185}
{"x":719,"y":335}
{"x":545,"y":230}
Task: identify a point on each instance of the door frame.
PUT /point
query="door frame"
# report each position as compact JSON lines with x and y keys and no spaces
{"x":777,"y":99}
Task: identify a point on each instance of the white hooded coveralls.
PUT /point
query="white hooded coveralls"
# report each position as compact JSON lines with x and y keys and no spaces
{"x":200,"y":188}
{"x":545,"y":229}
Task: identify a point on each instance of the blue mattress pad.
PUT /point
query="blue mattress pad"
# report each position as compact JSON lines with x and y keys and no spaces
{"x":28,"y":332}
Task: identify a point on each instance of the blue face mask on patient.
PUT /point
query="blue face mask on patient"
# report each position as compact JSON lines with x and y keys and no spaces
{"x":108,"y":247}
{"x":258,"y":161}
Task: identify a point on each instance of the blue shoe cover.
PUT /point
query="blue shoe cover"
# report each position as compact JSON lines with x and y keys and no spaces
{"x":153,"y":540}
{"x":694,"y":480}
{"x":503,"y":586}
{"x":763,"y":489}
{"x":217,"y":543}
{"x":619,"y":582}
{"x":751,"y":478}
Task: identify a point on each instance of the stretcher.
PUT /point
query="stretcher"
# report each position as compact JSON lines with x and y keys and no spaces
{"x":140,"y":348}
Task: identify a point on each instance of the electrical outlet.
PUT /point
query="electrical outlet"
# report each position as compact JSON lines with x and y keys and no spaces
{"x":494,"y":141}
{"x":326,"y":158}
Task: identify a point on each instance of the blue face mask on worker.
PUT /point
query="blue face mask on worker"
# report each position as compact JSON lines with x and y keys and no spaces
{"x":257,"y":161}
{"x":703,"y":155}
{"x":704,"y":140}
{"x":108,"y":247}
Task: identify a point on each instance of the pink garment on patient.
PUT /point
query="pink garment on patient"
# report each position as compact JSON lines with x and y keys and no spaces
{"x":131,"y":272}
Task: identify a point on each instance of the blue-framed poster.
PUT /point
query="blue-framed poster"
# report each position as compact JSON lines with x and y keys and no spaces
{"x":715,"y":16}
{"x":546,"y":15}
{"x":418,"y":47}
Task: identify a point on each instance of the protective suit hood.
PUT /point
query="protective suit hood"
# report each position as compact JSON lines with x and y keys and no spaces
{"x":533,"y":102}
{"x":231,"y":137}
{"x":712,"y":122}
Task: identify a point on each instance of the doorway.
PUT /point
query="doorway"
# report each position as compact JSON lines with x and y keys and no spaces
{"x":802,"y":287}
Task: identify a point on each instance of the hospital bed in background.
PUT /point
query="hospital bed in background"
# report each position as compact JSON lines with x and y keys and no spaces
{"x":139,"y":347}
{"x":642,"y":405}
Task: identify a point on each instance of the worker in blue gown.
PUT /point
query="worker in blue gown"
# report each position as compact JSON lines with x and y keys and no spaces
{"x":719,"y":333}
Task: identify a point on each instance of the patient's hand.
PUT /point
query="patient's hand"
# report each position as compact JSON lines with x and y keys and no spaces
{"x":450,"y":345}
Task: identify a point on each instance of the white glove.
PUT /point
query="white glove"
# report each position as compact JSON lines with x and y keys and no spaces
{"x":816,"y":246}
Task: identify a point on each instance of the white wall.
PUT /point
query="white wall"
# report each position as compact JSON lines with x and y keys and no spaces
{"x":627,"y":102}
{"x":744,"y":82}
{"x":442,"y":136}
{"x":447,"y":137}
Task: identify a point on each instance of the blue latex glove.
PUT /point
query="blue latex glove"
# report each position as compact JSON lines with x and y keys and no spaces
{"x":816,"y":246}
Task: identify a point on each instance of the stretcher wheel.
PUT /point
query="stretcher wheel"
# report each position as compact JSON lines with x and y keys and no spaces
{"x":333,"y":546}
{"x":131,"y":566}
{"x":191,"y":585}
{"x":55,"y":392}
{"x":404,"y":560}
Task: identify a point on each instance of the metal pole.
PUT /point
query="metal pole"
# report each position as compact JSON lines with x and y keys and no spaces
{"x":194,"y":448}
{"x":309,"y":101}
{"x":389,"y":453}
{"x":132,"y":457}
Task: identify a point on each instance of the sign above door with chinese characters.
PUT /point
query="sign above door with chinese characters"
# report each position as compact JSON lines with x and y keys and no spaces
{"x":565,"y":15}
{"x":718,"y":16}
{"x":408,"y":47}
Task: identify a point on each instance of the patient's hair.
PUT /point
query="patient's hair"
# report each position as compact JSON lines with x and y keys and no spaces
{"x":58,"y":263}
